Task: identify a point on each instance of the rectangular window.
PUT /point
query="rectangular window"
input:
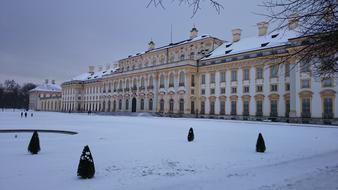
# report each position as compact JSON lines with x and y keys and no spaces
{"x":222,"y":111}
{"x":246,"y":74}
{"x":259,"y":88}
{"x":222,"y":76}
{"x":306,"y":109}
{"x":273,"y":107}
{"x":246,"y":89}
{"x":233,"y":75}
{"x":274,"y":71}
{"x":259,"y":73}
{"x":203,"y":79}
{"x":328,"y":106}
{"x":287,"y":108}
{"x":327,"y":83}
{"x":287,"y":87}
{"x":212,"y":108}
{"x":233,"y":107}
{"x":203,"y":91}
{"x":212,"y":78}
{"x":222,"y":90}
{"x":274,"y":88}
{"x":212,"y":91}
{"x":202,"y":107}
{"x":305,"y":83}
{"x":259,"y":108}
{"x":246,"y":108}
{"x":192,"y":80}
{"x":233,"y":90}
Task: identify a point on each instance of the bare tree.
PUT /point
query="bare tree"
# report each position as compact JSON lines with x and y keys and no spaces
{"x":317,"y":24}
{"x":194,"y":4}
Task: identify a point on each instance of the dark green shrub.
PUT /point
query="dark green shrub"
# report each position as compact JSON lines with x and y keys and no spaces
{"x":86,"y":168}
{"x":191,"y":135}
{"x":34,"y":144}
{"x":260,"y":145}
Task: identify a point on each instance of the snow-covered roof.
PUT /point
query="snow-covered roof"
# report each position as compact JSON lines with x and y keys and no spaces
{"x":173,"y":44}
{"x":47,"y":88}
{"x":94,"y":75}
{"x":278,"y":38}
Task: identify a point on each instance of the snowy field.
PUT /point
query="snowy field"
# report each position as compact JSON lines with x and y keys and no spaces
{"x":146,"y":153}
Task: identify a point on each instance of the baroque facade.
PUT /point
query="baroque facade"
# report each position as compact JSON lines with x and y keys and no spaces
{"x":45,"y":97}
{"x":204,"y":76}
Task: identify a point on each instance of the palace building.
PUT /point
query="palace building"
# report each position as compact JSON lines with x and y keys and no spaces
{"x":204,"y":76}
{"x":45,"y":97}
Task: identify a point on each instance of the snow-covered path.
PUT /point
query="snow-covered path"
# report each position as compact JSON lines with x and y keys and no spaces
{"x":153,"y":153}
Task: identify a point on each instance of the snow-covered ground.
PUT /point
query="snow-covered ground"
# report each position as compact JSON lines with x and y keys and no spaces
{"x":153,"y":153}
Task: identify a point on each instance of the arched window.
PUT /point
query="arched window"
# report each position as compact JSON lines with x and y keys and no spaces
{"x":142,"y":104}
{"x":127,"y":83}
{"x":150,"y":104}
{"x":181,"y":78}
{"x":151,"y":82}
{"x":154,"y":62}
{"x":103,"y":106}
{"x":115,"y":86}
{"x":127,"y":104}
{"x":192,"y":55}
{"x":161,"y":105}
{"x":162,"y":81}
{"x":162,"y":59}
{"x":171,"y":105}
{"x":142,"y":82}
{"x":182,"y":57}
{"x":109,"y":104}
{"x":171,"y":80}
{"x":120,"y":104}
{"x":114,"y":105}
{"x":181,"y":105}
{"x":120,"y":86}
{"x":172,"y":58}
{"x":202,"y":107}
{"x":212,"y":108}
{"x":135,"y":84}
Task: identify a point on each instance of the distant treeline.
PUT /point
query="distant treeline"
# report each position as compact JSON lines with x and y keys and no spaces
{"x":12,"y":95}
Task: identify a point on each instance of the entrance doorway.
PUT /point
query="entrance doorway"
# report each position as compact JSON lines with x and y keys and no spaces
{"x":133,"y":105}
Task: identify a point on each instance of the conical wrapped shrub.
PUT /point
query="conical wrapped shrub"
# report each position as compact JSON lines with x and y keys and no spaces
{"x":34,"y":144}
{"x":191,"y":135}
{"x":260,"y":145}
{"x":86,"y":168}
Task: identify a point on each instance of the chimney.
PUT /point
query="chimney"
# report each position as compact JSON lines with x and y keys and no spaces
{"x":91,"y":69}
{"x":262,"y":28}
{"x":236,"y":34}
{"x":151,"y":45}
{"x":46,"y":81}
{"x":100,"y":68}
{"x":53,"y":81}
{"x":193,"y":33}
{"x":293,"y":21}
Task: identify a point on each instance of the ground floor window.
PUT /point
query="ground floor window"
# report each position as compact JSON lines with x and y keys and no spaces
{"x":246,"y":108}
{"x":109,"y":104}
{"x":142,"y":104}
{"x":120,"y":104}
{"x":328,"y":107}
{"x":306,"y":107}
{"x":287,"y":108}
{"x":212,"y":108}
{"x":161,"y":105}
{"x":259,"y":108}
{"x":192,"y":107}
{"x":202,"y":107}
{"x":114,"y":105}
{"x":127,"y":104}
{"x":233,"y":107}
{"x":181,"y":105}
{"x":150,"y":104}
{"x":171,"y":105}
{"x":273,"y":108}
{"x":222,"y":110}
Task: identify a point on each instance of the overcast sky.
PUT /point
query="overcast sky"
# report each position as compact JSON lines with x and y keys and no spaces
{"x":59,"y":39}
